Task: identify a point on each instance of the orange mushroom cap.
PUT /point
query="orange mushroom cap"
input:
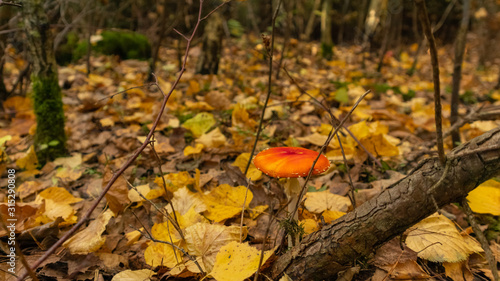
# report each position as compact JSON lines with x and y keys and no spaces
{"x":290,"y":162}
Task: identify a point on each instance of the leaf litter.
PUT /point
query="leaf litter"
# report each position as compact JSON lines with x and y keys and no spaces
{"x":203,"y":142}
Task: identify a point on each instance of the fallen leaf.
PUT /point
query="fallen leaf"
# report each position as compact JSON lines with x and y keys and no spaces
{"x":193,"y":150}
{"x":205,"y":240}
{"x":184,"y":200}
{"x":200,"y":123}
{"x":161,"y":254}
{"x":241,"y":162}
{"x":29,"y":162}
{"x":135,"y":196}
{"x":225,"y":202}
{"x":485,"y":199}
{"x":212,"y":139}
{"x":89,"y":239}
{"x":318,"y":202}
{"x":237,"y":261}
{"x":436,"y":239}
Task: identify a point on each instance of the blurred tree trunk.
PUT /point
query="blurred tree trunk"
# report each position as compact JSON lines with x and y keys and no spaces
{"x":50,"y":139}
{"x":162,"y":34}
{"x":326,"y":30}
{"x":457,"y":69}
{"x":208,"y":62}
{"x":310,"y":22}
{"x":5,"y":15}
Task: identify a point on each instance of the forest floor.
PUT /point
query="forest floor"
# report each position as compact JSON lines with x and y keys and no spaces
{"x":203,"y":142}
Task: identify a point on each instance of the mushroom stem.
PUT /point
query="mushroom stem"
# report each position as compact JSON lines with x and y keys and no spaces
{"x":292,"y":191}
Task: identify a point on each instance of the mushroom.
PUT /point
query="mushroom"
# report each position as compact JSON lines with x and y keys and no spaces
{"x":290,"y":163}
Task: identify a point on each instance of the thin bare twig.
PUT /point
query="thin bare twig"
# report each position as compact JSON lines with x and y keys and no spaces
{"x":150,"y":237}
{"x":157,"y":157}
{"x":160,"y":210}
{"x":138,"y":151}
{"x":351,"y":185}
{"x":481,"y":238}
{"x":259,"y":130}
{"x":330,"y":137}
{"x":333,"y":118}
{"x":424,"y":18}
{"x":2,"y":3}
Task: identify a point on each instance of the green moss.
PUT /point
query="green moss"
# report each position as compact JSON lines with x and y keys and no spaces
{"x":50,"y":139}
{"x":65,"y":53}
{"x":125,"y":44}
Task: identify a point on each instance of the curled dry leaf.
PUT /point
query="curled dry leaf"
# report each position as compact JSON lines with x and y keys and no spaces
{"x":89,"y":239}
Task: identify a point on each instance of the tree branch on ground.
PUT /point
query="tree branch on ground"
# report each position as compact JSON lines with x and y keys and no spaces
{"x":358,"y":234}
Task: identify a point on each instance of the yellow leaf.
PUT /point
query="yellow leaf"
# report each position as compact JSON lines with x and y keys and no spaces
{"x":27,"y":188}
{"x":225,"y":202}
{"x":134,"y":196}
{"x":161,"y":254}
{"x":485,"y":199}
{"x":70,"y":162}
{"x":134,"y":275}
{"x":67,"y":174}
{"x":193,"y":150}
{"x":437,"y":239}
{"x":89,"y":239}
{"x":330,"y":216}
{"x":107,"y":122}
{"x":58,"y":195}
{"x":200,"y":123}
{"x":255,"y":212}
{"x":241,"y":118}
{"x":155,"y":193}
{"x":317,"y":139}
{"x":190,"y":218}
{"x":184,"y":200}
{"x":318,"y":202}
{"x":175,"y":181}
{"x":237,"y":261}
{"x":213,"y":139}
{"x":309,"y":226}
{"x":380,"y":145}
{"x":205,"y":240}
{"x":199,"y":105}
{"x":165,"y":231}
{"x":241,"y":162}
{"x":194,"y":87}
{"x":29,"y":162}
{"x":133,"y":236}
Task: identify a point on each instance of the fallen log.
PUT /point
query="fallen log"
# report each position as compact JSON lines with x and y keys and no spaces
{"x":358,"y":234}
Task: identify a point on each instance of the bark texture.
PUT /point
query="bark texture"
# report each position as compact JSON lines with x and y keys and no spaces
{"x":212,"y":45}
{"x":50,"y":138}
{"x":358,"y":234}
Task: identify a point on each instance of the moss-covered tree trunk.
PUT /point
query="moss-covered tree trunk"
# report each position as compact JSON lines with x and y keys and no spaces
{"x":208,"y":62}
{"x":50,"y":138}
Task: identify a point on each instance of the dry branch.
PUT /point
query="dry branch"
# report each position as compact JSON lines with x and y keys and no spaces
{"x":358,"y":234}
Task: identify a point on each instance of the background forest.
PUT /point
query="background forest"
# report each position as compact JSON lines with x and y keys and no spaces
{"x":128,"y":129}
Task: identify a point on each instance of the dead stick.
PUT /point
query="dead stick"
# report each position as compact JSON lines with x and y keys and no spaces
{"x":426,"y":25}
